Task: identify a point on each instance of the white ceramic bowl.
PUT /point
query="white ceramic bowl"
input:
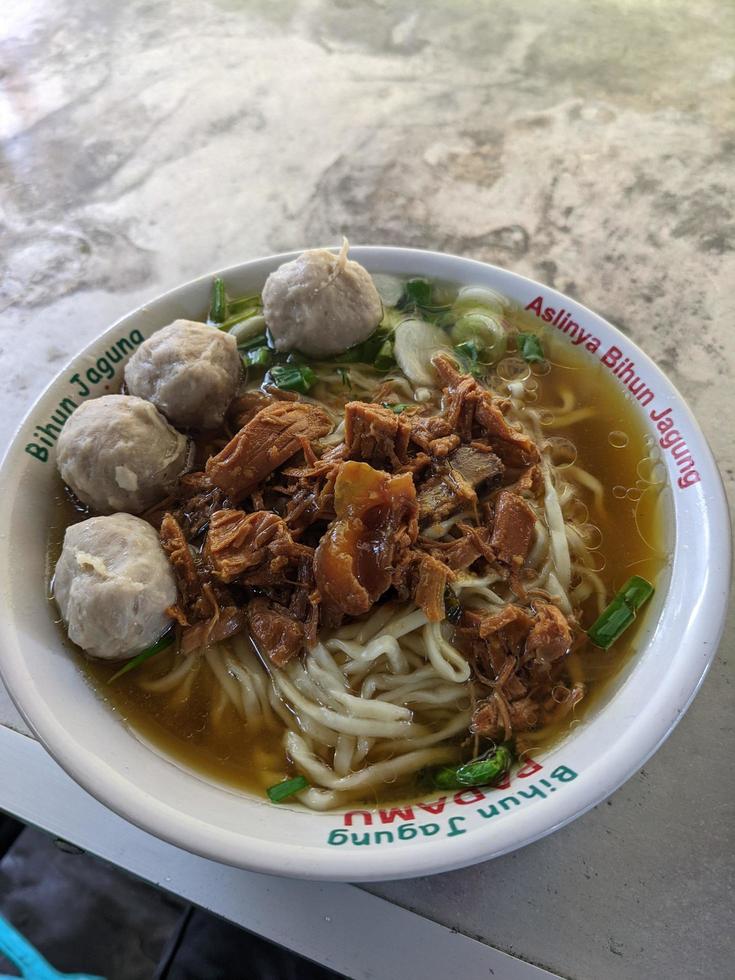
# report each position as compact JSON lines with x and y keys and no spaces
{"x":680,"y":637}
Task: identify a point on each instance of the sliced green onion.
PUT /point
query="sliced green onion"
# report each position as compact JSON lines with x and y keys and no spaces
{"x":293,"y":377}
{"x":487,"y":333}
{"x":384,"y":359}
{"x":621,"y":612}
{"x":258,"y":357}
{"x":259,"y":340}
{"x":396,"y":407}
{"x":344,"y":375}
{"x":636,"y":591}
{"x":166,"y":640}
{"x":218,"y":302}
{"x":282,"y":791}
{"x":452,"y":605}
{"x":529,"y":347}
{"x":252,"y":303}
{"x":245,"y":327}
{"x":483,"y":771}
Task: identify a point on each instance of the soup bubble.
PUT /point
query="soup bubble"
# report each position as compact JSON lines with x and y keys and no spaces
{"x":618,"y":439}
{"x":541,"y":367}
{"x":596,"y":561}
{"x":545,"y":417}
{"x":577,"y":511}
{"x":562,"y":452}
{"x":513,"y":369}
{"x":619,"y":492}
{"x":634,"y":493}
{"x":591,"y":535}
{"x":651,"y":471}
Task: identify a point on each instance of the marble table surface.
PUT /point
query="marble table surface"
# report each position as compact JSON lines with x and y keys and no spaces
{"x":586,"y":144}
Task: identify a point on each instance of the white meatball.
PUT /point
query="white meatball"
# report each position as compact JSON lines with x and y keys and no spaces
{"x":320,"y":304}
{"x":113,"y":584}
{"x":189,"y":371}
{"x":119,"y":453}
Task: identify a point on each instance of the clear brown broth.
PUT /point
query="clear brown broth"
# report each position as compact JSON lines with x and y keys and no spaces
{"x":633,"y":542}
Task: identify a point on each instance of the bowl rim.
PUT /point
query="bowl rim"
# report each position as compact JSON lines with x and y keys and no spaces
{"x":622,"y":758}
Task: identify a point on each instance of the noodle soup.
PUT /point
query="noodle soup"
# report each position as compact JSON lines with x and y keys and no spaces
{"x":380,"y":702}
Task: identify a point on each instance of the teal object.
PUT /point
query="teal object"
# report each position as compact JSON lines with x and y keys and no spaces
{"x":29,"y":961}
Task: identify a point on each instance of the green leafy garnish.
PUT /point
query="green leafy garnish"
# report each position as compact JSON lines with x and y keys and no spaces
{"x":282,"y":791}
{"x":620,"y":613}
{"x":469,"y":353}
{"x":483,"y":771}
{"x":416,"y":291}
{"x":396,"y":407}
{"x":258,"y":357}
{"x":166,"y":640}
{"x":529,"y":347}
{"x":418,"y":294}
{"x":368,"y":350}
{"x":452,"y":606}
{"x":293,"y":377}
{"x":218,"y":302}
{"x":384,"y":359}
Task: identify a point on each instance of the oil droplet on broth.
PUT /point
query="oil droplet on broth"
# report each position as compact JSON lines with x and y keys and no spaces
{"x":619,"y":492}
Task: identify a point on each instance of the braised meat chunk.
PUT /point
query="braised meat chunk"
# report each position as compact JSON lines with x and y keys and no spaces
{"x":271,"y":437}
{"x":375,"y":435}
{"x":255,"y":549}
{"x":277,"y":635}
{"x":376,"y":521}
{"x":513,"y":529}
{"x":474,"y":411}
{"x":550,"y":637}
{"x":431,"y":585}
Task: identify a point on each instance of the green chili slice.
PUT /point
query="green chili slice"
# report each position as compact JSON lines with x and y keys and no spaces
{"x":620,"y":613}
{"x":218,"y":302}
{"x":282,"y":791}
{"x":483,"y":771}
{"x":259,"y":357}
{"x":293,"y":377}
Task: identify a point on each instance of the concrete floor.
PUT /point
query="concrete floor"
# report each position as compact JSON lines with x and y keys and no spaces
{"x":81,"y":914}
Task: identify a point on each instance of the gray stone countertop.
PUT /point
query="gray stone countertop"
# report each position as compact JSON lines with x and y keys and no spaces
{"x":586,"y":144}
